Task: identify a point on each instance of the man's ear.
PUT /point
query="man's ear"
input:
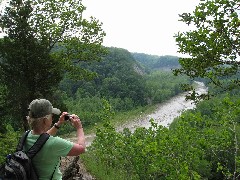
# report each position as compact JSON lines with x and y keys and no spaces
{"x":45,"y":120}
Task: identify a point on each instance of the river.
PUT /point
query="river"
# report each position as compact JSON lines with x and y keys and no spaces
{"x":164,"y":114}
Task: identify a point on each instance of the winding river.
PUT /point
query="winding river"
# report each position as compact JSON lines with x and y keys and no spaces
{"x":164,"y":114}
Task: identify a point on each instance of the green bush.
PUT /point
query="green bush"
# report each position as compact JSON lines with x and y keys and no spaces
{"x":8,"y":142}
{"x":196,"y":146}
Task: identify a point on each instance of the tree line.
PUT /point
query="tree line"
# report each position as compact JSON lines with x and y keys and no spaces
{"x":119,"y":83}
{"x":76,"y":76}
{"x":201,"y":144}
{"x":42,"y":40}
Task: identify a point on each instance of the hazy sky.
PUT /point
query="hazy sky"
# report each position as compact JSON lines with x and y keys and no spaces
{"x":144,"y":26}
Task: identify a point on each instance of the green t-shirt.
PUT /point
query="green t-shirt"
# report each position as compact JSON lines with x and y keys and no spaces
{"x":48,"y":157}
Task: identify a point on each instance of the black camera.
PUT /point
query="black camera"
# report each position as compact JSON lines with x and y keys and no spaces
{"x":67,"y":117}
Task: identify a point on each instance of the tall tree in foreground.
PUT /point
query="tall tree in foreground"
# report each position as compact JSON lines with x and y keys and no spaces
{"x":44,"y":39}
{"x":214,"y":43}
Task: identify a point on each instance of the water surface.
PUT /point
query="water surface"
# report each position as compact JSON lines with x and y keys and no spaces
{"x":166,"y":112}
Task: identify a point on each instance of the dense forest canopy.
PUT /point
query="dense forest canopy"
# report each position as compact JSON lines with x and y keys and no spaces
{"x":155,"y":62}
{"x":119,"y":84}
{"x":202,"y":143}
{"x":29,"y":66}
{"x":121,"y":80}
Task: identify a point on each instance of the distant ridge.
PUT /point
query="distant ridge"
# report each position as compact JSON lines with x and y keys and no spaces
{"x":154,"y":62}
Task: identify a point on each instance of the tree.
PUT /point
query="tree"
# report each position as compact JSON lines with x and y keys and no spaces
{"x":213,"y":45}
{"x":44,"y":40}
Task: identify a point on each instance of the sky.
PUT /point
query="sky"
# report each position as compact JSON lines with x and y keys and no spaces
{"x":143,"y":26}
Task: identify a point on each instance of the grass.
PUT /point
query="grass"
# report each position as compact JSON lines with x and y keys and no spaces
{"x":98,"y":169}
{"x":117,"y":120}
{"x":101,"y":172}
{"x":124,"y":117}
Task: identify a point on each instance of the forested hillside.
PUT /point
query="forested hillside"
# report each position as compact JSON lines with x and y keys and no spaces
{"x":122,"y":81}
{"x":120,"y":84}
{"x":115,"y":77}
{"x":202,"y":143}
{"x":100,"y":84}
{"x":153,"y":62}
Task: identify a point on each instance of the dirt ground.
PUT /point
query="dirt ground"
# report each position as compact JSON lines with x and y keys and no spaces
{"x":73,"y":169}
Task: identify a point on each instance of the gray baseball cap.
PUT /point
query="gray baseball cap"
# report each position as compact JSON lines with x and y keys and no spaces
{"x":41,"y":107}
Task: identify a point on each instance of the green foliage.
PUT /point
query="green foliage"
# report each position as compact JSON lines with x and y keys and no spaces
{"x":44,"y":40}
{"x":219,"y":122}
{"x":152,"y":62}
{"x":168,"y":62}
{"x":90,"y":109}
{"x":124,"y":91}
{"x":160,"y":86}
{"x":152,"y":153}
{"x":8,"y":142}
{"x":102,"y":172}
{"x":117,"y":80}
{"x":213,"y":45}
{"x":196,"y":146}
{"x":157,"y":88}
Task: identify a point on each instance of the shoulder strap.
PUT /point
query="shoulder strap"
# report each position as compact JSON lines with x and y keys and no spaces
{"x":38,"y":145}
{"x":22,"y":141}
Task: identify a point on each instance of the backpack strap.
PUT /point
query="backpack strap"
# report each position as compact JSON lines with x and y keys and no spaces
{"x":22,"y":141}
{"x":38,"y":145}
